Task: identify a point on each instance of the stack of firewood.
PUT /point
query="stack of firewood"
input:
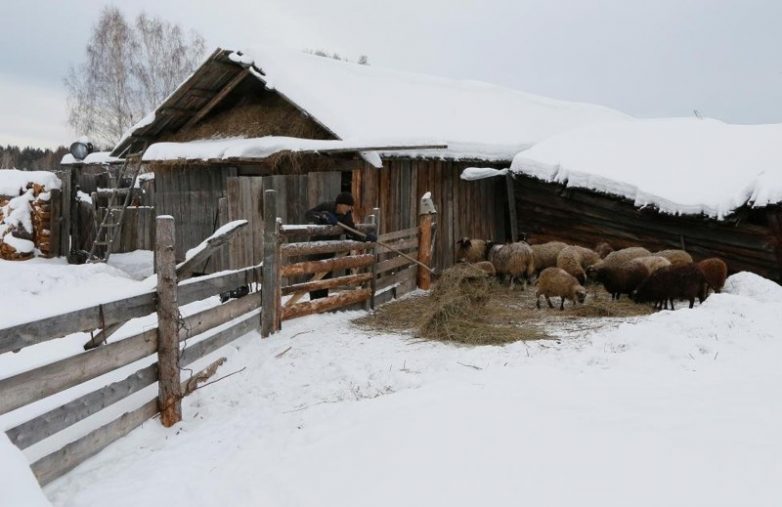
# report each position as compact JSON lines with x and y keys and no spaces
{"x":36,"y":199}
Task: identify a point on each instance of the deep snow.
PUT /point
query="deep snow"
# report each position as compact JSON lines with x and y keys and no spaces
{"x":678,"y":408}
{"x":679,"y":165}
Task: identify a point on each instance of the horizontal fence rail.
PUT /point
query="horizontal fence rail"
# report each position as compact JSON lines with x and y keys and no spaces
{"x":99,"y":316}
{"x":364,"y":273}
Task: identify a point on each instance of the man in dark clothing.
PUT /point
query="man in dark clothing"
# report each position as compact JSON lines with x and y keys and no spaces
{"x":331,"y":213}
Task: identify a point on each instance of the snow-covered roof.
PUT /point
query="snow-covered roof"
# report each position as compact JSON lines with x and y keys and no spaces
{"x":475,"y":120}
{"x":98,"y":157}
{"x":679,"y":165}
{"x":261,"y":147}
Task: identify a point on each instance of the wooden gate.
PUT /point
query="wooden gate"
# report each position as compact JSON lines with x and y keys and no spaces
{"x":295,"y":194}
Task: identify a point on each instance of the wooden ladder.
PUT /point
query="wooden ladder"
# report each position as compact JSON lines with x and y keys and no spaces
{"x":111,"y":224}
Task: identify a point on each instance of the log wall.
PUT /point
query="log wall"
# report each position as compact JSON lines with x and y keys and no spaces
{"x":550,"y":211}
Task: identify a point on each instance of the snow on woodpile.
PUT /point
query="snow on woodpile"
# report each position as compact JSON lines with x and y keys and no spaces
{"x":678,"y":165}
{"x":475,"y":119}
{"x":24,"y":212}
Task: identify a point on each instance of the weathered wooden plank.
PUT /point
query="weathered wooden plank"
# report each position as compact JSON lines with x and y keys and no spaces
{"x":57,"y":419}
{"x":47,"y":424}
{"x":169,"y":389}
{"x":186,"y":268}
{"x":56,"y":210}
{"x":30,"y":333}
{"x":404,"y":233}
{"x":403,"y":245}
{"x":320,"y":247}
{"x":44,"y":381}
{"x":247,"y":324}
{"x":60,"y":462}
{"x":271,"y":263}
{"x":233,"y":83}
{"x":200,"y":288}
{"x":401,"y":276}
{"x":304,"y":230}
{"x":328,"y":283}
{"x":334,"y":302}
{"x":424,"y":250}
{"x":308,"y":267}
{"x":394,"y":263}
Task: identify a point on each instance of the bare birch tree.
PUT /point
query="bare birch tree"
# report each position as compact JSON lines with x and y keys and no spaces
{"x":129,"y":69}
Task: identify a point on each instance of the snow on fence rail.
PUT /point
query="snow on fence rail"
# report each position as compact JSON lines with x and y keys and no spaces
{"x":386,"y":273}
{"x":33,"y":385}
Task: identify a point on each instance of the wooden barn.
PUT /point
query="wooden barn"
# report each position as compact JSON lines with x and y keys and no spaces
{"x":310,"y":127}
{"x":708,"y":187}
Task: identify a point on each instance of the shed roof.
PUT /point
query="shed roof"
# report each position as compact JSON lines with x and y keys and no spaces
{"x":679,"y":165}
{"x":475,"y":120}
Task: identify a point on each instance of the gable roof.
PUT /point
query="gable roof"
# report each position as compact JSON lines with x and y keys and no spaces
{"x":476,"y":120}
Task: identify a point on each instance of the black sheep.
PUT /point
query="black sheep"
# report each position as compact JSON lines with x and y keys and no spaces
{"x":672,"y":282}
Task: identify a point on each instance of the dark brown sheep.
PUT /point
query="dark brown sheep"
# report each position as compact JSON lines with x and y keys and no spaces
{"x":619,"y":280}
{"x":716,"y":271}
{"x":672,"y":282}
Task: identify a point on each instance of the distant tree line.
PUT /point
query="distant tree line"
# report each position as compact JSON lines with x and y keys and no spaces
{"x":362,"y":60}
{"x":32,"y":159}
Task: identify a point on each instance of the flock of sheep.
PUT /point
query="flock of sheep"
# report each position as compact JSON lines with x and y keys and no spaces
{"x":561,"y":270}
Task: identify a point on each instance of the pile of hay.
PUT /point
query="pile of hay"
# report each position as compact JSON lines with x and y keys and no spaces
{"x":456,"y":310}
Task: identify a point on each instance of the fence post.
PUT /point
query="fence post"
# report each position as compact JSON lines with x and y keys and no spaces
{"x":426,"y":212}
{"x":270,"y":288}
{"x":169,"y":390}
{"x":375,"y":220}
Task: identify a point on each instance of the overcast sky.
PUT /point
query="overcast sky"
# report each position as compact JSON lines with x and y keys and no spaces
{"x":647,"y":58}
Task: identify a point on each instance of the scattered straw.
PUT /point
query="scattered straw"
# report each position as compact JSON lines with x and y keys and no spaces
{"x":467,"y":307}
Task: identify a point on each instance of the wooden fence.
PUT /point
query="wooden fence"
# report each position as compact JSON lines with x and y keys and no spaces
{"x":364,"y":273}
{"x":376,"y":274}
{"x":47,"y":380}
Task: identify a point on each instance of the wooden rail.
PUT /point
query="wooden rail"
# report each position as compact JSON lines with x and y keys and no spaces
{"x":98,"y":316}
{"x":211,"y":329}
{"x":207,"y":331}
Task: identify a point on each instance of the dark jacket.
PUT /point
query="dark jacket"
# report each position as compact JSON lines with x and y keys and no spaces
{"x":314,"y":216}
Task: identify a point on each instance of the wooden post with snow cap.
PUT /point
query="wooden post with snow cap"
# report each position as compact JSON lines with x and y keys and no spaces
{"x":270,"y":288}
{"x":169,"y":387}
{"x":426,"y":212}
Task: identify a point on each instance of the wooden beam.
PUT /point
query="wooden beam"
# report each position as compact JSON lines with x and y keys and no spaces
{"x":514,"y":225}
{"x":321,"y":247}
{"x":403,"y":233}
{"x":60,"y":462}
{"x":271,"y":264}
{"x":212,"y":243}
{"x":217,"y":98}
{"x":424,"y":250}
{"x":169,"y":390}
{"x":393,"y":263}
{"x":340,"y":300}
{"x":320,"y":230}
{"x":49,"y":423}
{"x":59,"y":418}
{"x":329,"y":283}
{"x":38,"y":383}
{"x":307,"y":267}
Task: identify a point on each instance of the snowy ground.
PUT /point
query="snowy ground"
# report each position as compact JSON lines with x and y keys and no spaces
{"x":679,"y":408}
